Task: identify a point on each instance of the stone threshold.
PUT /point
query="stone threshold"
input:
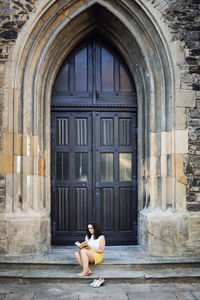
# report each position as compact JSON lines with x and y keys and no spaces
{"x":113,"y":255}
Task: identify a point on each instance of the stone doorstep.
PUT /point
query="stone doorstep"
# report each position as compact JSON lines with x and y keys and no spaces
{"x":118,"y":273}
{"x":108,"y":273}
{"x":127,"y":267}
{"x":114,"y":255}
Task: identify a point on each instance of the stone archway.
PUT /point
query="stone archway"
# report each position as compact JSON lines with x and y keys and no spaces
{"x":50,"y":36}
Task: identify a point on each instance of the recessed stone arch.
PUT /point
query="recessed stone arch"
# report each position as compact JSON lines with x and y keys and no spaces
{"x":51,"y":33}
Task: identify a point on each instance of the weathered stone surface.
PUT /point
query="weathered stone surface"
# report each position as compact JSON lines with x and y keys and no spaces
{"x":6,"y":164}
{"x":193,"y":206}
{"x":26,"y":235}
{"x":170,"y":233}
{"x":182,"y":19}
{"x":195,"y":69}
{"x":186,"y":98}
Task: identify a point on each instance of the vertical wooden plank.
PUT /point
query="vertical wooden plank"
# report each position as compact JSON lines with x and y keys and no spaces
{"x":98,"y":68}
{"x":107,"y":132}
{"x":107,"y":209}
{"x":107,"y":67}
{"x":71,"y":75}
{"x":116,"y":76}
{"x":81,"y":132}
{"x":89,"y":65}
{"x":81,"y":206}
{"x":81,"y":70}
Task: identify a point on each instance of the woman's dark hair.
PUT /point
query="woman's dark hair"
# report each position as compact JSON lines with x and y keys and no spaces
{"x":97,"y":230}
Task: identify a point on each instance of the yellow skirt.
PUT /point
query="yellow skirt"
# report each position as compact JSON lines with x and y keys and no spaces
{"x":98,"y":257}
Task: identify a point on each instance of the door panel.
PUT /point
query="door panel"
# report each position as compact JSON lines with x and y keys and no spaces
{"x":93,"y":174}
{"x":71,"y":172}
{"x":115,"y":192}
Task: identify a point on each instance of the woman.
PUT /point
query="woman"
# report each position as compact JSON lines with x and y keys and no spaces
{"x":94,"y":255}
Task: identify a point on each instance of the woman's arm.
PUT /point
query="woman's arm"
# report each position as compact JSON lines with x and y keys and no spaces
{"x":102,"y":244}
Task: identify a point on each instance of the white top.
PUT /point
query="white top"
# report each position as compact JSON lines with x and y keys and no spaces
{"x":94,"y":244}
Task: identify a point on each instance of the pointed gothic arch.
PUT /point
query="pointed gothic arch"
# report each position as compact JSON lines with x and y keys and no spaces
{"x":50,"y":36}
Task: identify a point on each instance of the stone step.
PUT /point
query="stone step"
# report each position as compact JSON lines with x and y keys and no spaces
{"x":121,"y":265}
{"x":112,"y":273}
{"x":105,"y":265}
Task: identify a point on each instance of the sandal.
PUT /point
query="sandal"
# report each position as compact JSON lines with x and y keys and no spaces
{"x":98,"y":282}
{"x":93,"y":283}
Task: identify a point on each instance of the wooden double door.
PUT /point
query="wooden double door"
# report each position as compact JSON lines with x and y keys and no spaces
{"x":93,"y":145}
{"x":94,"y":175}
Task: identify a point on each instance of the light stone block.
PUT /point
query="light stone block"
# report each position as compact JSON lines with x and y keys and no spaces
{"x":166,"y":233}
{"x":153,"y":165}
{"x":152,"y":192}
{"x":9,"y":192}
{"x":30,"y":165}
{"x":180,"y":118}
{"x":27,"y":193}
{"x":36,"y":195}
{"x":186,"y":98}
{"x":166,"y":142}
{"x":169,"y":193}
{"x":181,"y":141}
{"x":28,"y":233}
{"x":178,"y":166}
{"x":153,"y":143}
{"x":180,"y":195}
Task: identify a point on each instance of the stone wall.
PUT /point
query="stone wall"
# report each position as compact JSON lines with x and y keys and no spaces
{"x":183,"y":19}
{"x":13,"y":15}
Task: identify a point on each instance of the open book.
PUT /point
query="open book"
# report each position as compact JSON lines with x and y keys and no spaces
{"x":82,"y":245}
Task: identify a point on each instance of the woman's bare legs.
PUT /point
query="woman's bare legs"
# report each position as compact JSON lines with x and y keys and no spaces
{"x":86,"y":256}
{"x":78,"y":258}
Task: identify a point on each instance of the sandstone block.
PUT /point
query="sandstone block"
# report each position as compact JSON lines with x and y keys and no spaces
{"x":6,"y":164}
{"x":42,"y":167}
{"x":153,"y":143}
{"x":18,"y":139}
{"x":181,"y":141}
{"x":180,"y":195}
{"x":166,"y":142}
{"x":153,"y":165}
{"x":169,"y":234}
{"x":180,"y":118}
{"x":34,"y":145}
{"x":186,"y":98}
{"x":30,"y":165}
{"x":8,"y":144}
{"x":29,"y":234}
{"x":178,"y":165}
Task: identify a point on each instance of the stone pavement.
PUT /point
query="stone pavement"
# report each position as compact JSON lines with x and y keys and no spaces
{"x":173,"y":291}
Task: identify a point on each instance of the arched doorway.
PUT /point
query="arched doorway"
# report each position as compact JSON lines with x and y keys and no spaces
{"x":94,"y":145}
{"x":36,"y":58}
